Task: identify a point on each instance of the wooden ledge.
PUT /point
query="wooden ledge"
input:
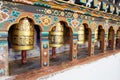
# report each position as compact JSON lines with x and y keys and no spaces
{"x":34,"y":74}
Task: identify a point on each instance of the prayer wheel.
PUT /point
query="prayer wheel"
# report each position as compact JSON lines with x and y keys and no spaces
{"x":81,"y":35}
{"x":56,"y":35}
{"x":118,"y":35}
{"x":110,"y":34}
{"x":22,"y":37}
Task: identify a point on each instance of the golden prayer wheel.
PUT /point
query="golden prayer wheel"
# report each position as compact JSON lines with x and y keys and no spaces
{"x":118,"y":35}
{"x":96,"y":35}
{"x":22,"y":36}
{"x":56,"y":36}
{"x":81,"y":35}
{"x":110,"y":35}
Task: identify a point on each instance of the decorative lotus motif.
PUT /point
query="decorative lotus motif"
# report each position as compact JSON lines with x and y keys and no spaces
{"x":46,"y":21}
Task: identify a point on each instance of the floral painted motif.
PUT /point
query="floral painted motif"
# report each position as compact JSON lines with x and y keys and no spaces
{"x":75,"y":15}
{"x":3,"y":16}
{"x":46,"y":21}
{"x":75,"y":23}
{"x":93,"y":26}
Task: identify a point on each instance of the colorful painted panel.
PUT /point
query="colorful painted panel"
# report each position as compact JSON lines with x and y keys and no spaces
{"x":95,"y":3}
{"x":104,"y":5}
{"x":3,"y":34}
{"x":83,"y":1}
{"x":117,"y":10}
{"x":3,"y":58}
{"x":111,"y":8}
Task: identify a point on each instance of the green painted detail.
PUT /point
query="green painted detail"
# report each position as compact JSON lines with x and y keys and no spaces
{"x":45,"y":46}
{"x":75,"y":34}
{"x":74,"y":56}
{"x":110,"y":19}
{"x":42,"y":5}
{"x":46,"y":28}
{"x":100,"y":17}
{"x":45,"y":34}
{"x":87,"y":13}
{"x":1,"y":26}
{"x":3,"y":43}
{"x":93,"y":37}
{"x":81,"y":20}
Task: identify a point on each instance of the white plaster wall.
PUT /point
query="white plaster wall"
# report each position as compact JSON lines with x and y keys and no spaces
{"x":107,"y":68}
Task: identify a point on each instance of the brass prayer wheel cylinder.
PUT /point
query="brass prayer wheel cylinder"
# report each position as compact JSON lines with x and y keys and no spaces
{"x":81,"y":35}
{"x":22,"y":37}
{"x":56,"y":36}
{"x":110,"y":35}
{"x":96,"y":35}
{"x":118,"y":35}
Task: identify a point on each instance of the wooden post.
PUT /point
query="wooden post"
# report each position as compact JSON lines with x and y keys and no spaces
{"x":73,"y":52}
{"x":90,"y":43}
{"x":53,"y":52}
{"x":102,"y":42}
{"x":114,"y":43}
{"x":44,"y":51}
{"x":24,"y":56}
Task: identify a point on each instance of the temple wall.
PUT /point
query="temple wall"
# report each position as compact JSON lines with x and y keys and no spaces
{"x":46,"y":16}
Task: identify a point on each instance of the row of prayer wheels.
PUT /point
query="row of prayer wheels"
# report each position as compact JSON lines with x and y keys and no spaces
{"x":22,"y":35}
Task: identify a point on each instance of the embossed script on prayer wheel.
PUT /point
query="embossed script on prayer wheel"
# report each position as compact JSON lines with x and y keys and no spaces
{"x":56,"y":36}
{"x":81,"y":35}
{"x":118,"y":35}
{"x":111,"y":34}
{"x":22,"y":37}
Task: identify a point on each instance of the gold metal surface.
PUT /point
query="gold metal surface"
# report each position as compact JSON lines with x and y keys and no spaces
{"x":81,"y":35}
{"x":56,"y":35}
{"x":110,"y":35}
{"x":118,"y":35}
{"x":22,"y":35}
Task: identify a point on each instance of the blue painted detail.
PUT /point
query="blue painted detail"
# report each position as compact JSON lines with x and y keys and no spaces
{"x":38,"y":21}
{"x":66,"y":9}
{"x":93,"y":37}
{"x":80,"y":20}
{"x":83,"y":1}
{"x":5,"y":10}
{"x":45,"y":46}
{"x":43,"y":15}
{"x":89,"y":21}
{"x":55,"y":18}
{"x":87,"y":13}
{"x":75,"y":56}
{"x":42,"y":5}
{"x":4,"y":34}
{"x":44,"y":34}
{"x":75,"y":34}
{"x":37,"y":16}
{"x":2,"y":71}
{"x":69,"y":20}
{"x":49,"y":16}
{"x":3,"y":43}
{"x":45,"y":41}
{"x":15,"y":13}
{"x":12,"y":20}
